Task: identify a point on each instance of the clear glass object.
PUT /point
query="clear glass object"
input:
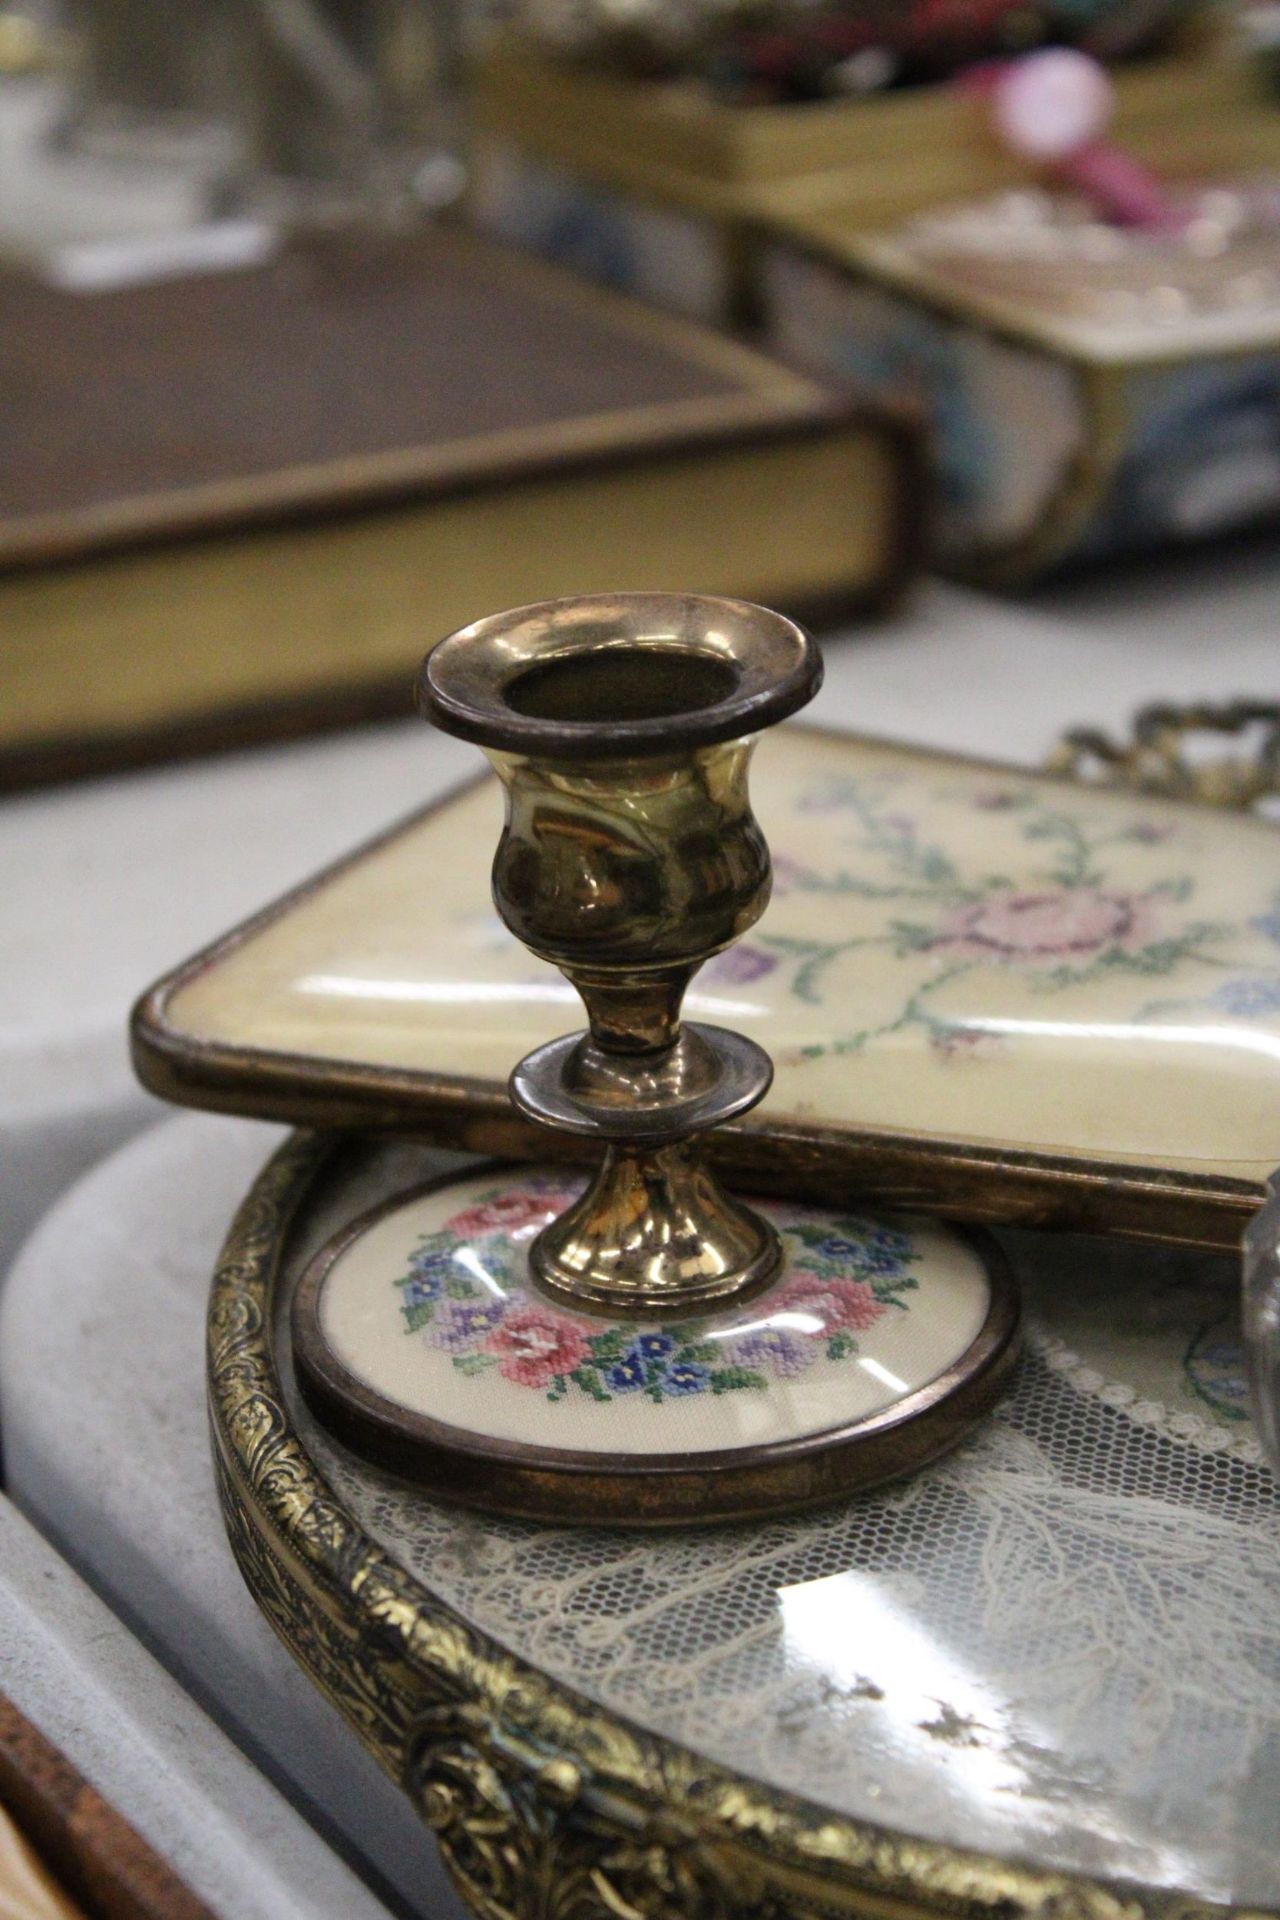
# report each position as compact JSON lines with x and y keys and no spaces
{"x":1262,"y":1319}
{"x":304,"y":110}
{"x":349,"y":107}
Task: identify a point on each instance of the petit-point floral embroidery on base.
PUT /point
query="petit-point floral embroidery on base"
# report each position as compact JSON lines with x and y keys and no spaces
{"x":844,"y":1275}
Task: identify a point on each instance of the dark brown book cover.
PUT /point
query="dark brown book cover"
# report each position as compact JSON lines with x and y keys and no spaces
{"x":240,"y":505}
{"x":343,"y":372}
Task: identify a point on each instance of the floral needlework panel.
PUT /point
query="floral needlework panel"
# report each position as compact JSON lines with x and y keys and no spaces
{"x":950,"y":951}
{"x":430,"y":1307}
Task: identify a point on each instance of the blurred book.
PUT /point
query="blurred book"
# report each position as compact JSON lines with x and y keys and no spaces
{"x":245,"y":504}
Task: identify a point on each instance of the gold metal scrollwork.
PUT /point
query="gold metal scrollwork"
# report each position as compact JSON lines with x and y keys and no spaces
{"x":1157,"y":760}
{"x":526,"y":1843}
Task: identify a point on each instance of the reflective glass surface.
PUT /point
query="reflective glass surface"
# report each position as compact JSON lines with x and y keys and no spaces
{"x":1058,"y":1644}
{"x":950,"y":951}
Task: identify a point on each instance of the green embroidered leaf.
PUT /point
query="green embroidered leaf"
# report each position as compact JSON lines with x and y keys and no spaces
{"x":459,"y":1289}
{"x":608,"y":1347}
{"x":415,"y":1317}
{"x":471,"y":1363}
{"x":910,"y":937}
{"x":810,"y":1234}
{"x":589,"y":1380}
{"x":695,"y":1352}
{"x":934,"y":866}
{"x":727,"y":1379}
{"x":840,"y":1346}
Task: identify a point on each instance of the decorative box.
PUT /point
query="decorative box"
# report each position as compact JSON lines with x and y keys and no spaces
{"x":655,"y":187}
{"x":1090,"y":390}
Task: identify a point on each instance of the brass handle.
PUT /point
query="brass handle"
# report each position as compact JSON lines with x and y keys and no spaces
{"x":1155,"y":760}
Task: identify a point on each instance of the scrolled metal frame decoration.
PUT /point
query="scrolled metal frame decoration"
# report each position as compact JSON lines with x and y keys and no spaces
{"x":546,"y":1806}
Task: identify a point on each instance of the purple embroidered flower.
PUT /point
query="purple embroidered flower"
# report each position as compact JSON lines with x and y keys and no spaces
{"x":738,"y":966}
{"x":783,"y":1351}
{"x":995,"y":800}
{"x":965,"y":1043}
{"x":1249,"y":999}
{"x":462,"y":1324}
{"x":788,"y":874}
{"x":686,"y":1376}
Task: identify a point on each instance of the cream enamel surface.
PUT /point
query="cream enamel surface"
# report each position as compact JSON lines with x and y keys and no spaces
{"x":401,"y":962}
{"x":361,"y":1320}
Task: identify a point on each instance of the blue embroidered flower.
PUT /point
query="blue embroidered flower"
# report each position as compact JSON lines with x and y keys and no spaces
{"x":839,"y":1247}
{"x":881,"y":1249}
{"x":1248,"y":999}
{"x":653,"y":1346}
{"x":430,"y":1267}
{"x":428,"y":1272}
{"x":627,"y":1375}
{"x":1269,"y":924}
{"x":421,"y":1289}
{"x":887,"y":1249}
{"x":686,"y":1376}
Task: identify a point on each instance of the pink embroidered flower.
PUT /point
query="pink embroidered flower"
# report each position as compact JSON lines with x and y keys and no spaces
{"x":538,"y":1344}
{"x":841,"y":1305}
{"x":1044,"y":929}
{"x":509,"y":1212}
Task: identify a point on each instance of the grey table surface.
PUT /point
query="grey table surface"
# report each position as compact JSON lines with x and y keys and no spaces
{"x":107,"y":1450}
{"x":79,"y":1675}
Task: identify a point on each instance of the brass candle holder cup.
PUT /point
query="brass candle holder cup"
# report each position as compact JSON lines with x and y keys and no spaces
{"x":622,"y":729}
{"x":652,"y":1349}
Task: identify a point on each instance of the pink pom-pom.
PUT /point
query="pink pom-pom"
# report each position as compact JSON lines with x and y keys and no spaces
{"x":1049,"y":105}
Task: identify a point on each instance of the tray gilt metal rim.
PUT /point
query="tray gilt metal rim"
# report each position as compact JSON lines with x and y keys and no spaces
{"x":782,"y":1155}
{"x":546,"y":1806}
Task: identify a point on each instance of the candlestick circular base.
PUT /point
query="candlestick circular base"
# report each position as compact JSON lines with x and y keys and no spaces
{"x":422,"y":1340}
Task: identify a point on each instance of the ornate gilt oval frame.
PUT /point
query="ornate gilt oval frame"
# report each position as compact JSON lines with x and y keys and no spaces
{"x":547,"y":1807}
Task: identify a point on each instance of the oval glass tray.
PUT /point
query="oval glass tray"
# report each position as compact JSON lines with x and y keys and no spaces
{"x":988,"y":994}
{"x":1042,"y":1674}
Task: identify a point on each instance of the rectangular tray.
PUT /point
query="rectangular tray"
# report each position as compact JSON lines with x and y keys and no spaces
{"x":987,"y":993}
